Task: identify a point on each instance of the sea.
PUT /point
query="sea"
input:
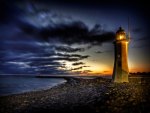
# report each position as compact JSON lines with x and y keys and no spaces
{"x":16,"y":84}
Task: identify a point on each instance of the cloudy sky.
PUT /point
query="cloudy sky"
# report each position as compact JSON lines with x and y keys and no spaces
{"x":70,"y":37}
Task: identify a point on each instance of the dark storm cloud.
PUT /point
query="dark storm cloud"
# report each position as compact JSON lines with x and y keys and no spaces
{"x":59,"y":57}
{"x":34,"y":57}
{"x":78,"y":63}
{"x":75,"y":56}
{"x":85,"y":66}
{"x":23,"y":54}
{"x":87,"y":71}
{"x":45,"y":63}
{"x":78,"y":68}
{"x":71,"y":33}
{"x":29,"y":46}
{"x":68,"y":49}
{"x":106,"y":51}
{"x":50,"y":26}
{"x":37,"y":58}
{"x":34,"y":43}
{"x":23,"y":46}
{"x":30,"y":66}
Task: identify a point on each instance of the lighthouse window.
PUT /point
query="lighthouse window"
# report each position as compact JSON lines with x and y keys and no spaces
{"x":121,"y":37}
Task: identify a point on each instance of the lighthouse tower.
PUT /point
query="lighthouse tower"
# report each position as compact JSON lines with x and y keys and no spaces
{"x":121,"y":71}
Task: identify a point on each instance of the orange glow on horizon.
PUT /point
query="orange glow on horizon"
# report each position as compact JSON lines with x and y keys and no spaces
{"x":139,"y":70}
{"x":98,"y":69}
{"x":108,"y":72}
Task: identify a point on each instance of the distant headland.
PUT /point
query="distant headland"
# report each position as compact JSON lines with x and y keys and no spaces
{"x":139,"y":74}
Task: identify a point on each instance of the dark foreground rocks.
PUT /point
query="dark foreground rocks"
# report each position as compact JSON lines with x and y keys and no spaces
{"x":98,"y":95}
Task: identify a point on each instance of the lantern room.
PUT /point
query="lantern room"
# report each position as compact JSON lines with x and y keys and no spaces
{"x":120,"y":34}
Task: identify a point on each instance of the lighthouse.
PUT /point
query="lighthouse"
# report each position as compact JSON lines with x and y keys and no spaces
{"x":121,"y":71}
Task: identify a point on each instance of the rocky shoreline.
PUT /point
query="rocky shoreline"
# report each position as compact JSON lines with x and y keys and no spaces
{"x":97,"y":95}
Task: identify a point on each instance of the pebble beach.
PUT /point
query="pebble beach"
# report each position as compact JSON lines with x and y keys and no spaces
{"x":77,"y":95}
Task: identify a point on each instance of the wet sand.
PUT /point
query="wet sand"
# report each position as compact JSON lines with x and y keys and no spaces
{"x":97,"y":95}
